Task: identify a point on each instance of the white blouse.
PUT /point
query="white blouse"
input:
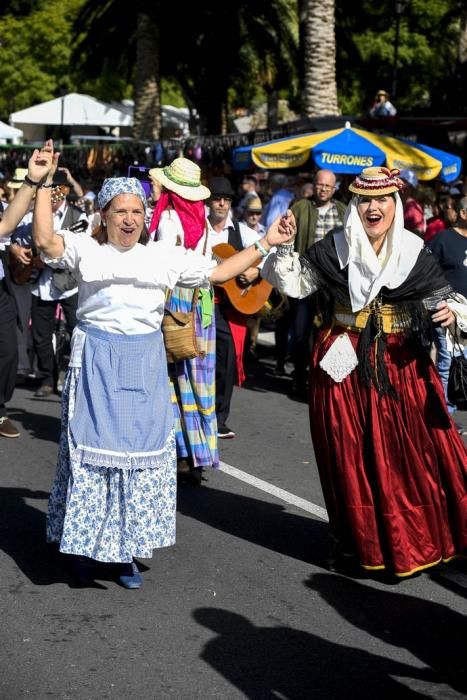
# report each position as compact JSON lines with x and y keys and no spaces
{"x":123,"y":291}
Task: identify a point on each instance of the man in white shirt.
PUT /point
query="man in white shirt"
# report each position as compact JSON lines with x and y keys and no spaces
{"x":46,"y":295}
{"x":231,"y":326}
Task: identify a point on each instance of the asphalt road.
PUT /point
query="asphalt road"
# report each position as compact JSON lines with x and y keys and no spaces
{"x":241,"y":607}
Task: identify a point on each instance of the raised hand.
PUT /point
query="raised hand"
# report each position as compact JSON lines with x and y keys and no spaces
{"x":43,"y":163}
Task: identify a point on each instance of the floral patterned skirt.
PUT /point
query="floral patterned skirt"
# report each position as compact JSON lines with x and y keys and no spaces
{"x":110,"y":514}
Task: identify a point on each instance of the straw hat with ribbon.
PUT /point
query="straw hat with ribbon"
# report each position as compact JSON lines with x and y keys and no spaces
{"x":183,"y":177}
{"x":374,"y":182}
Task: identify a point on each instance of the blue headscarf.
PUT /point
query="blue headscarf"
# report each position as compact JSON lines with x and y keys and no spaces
{"x":113,"y":186}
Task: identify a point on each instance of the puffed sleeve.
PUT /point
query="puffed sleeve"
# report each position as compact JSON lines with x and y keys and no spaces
{"x":458,"y":305}
{"x":69,"y":260}
{"x":286,"y":271}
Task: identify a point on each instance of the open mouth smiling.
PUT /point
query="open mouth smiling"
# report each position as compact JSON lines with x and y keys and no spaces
{"x":373,"y":219}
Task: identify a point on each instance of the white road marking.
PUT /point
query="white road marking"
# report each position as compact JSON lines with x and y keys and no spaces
{"x":283,"y":495}
{"x":452,"y":575}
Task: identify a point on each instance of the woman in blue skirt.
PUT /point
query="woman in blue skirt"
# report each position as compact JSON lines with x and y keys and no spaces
{"x":114,"y":494}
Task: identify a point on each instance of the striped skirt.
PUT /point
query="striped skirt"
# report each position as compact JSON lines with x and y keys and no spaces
{"x":193,"y":391}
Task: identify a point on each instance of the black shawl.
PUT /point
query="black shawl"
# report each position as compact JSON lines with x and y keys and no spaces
{"x":414,"y":300}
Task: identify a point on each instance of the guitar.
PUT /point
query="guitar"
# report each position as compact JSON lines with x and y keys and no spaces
{"x":21,"y":273}
{"x":248,"y":299}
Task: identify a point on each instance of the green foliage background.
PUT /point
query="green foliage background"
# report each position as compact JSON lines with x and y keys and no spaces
{"x":38,"y":52}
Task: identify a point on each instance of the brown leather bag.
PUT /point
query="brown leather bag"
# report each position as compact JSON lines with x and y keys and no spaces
{"x":179,"y":329}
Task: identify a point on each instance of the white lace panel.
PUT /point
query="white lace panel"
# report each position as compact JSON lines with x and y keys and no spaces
{"x":341,"y":359}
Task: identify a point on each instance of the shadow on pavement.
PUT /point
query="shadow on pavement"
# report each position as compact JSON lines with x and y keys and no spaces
{"x":446,"y":576}
{"x":434,"y":633}
{"x":281,"y":662}
{"x":22,"y":537}
{"x":265,"y":524}
{"x":260,"y":375}
{"x":39,"y":425}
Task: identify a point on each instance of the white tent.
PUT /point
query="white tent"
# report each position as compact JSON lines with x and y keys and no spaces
{"x":9,"y":133}
{"x":84,"y":115}
{"x":73,"y":109}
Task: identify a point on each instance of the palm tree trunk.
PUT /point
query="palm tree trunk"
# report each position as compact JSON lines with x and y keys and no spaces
{"x":272,"y":108}
{"x":147,"y":120}
{"x":320,"y":89}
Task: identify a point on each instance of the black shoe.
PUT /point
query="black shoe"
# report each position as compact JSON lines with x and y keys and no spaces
{"x":195,"y":477}
{"x":44,"y":391}
{"x":299,"y":391}
{"x":225,"y":432}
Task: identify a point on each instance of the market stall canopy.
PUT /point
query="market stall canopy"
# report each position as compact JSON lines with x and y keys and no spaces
{"x":9,"y":133}
{"x":348,"y":151}
{"x":74,"y":109}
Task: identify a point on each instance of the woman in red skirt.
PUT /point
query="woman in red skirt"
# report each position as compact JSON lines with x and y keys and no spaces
{"x":391,"y":463}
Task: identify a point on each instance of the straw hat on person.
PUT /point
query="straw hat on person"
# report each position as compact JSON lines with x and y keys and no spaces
{"x":254,"y":206}
{"x":375,"y":182}
{"x":183,"y":177}
{"x":18,"y":178}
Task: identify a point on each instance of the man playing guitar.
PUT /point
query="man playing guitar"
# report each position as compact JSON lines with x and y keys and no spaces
{"x":231,"y":324}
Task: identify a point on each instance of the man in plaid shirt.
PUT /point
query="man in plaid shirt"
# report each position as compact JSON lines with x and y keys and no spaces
{"x":316,"y":217}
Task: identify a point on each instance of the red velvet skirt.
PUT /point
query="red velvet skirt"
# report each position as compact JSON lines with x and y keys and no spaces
{"x":393,"y":472}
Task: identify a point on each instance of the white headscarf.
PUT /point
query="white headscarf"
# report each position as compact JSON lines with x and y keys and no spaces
{"x":366,"y":273}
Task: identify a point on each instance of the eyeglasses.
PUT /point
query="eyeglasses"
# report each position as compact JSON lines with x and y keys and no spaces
{"x":324,"y":187}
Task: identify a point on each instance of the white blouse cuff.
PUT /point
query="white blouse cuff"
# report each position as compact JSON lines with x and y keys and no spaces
{"x":62,"y":261}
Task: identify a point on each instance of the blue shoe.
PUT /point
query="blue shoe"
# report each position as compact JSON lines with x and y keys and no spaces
{"x":130,"y":576}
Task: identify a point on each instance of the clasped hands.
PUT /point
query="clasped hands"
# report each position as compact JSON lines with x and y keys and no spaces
{"x":282,"y":230}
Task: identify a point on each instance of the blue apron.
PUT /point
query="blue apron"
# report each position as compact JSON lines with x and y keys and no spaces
{"x":123,"y":414}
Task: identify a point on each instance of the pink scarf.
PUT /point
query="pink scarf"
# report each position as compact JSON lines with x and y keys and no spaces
{"x":192,"y":216}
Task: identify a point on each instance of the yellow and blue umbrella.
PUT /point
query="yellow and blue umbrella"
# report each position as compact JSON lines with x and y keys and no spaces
{"x":348,"y":151}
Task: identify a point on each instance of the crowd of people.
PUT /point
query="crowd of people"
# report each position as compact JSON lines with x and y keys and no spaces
{"x":371,"y":281}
